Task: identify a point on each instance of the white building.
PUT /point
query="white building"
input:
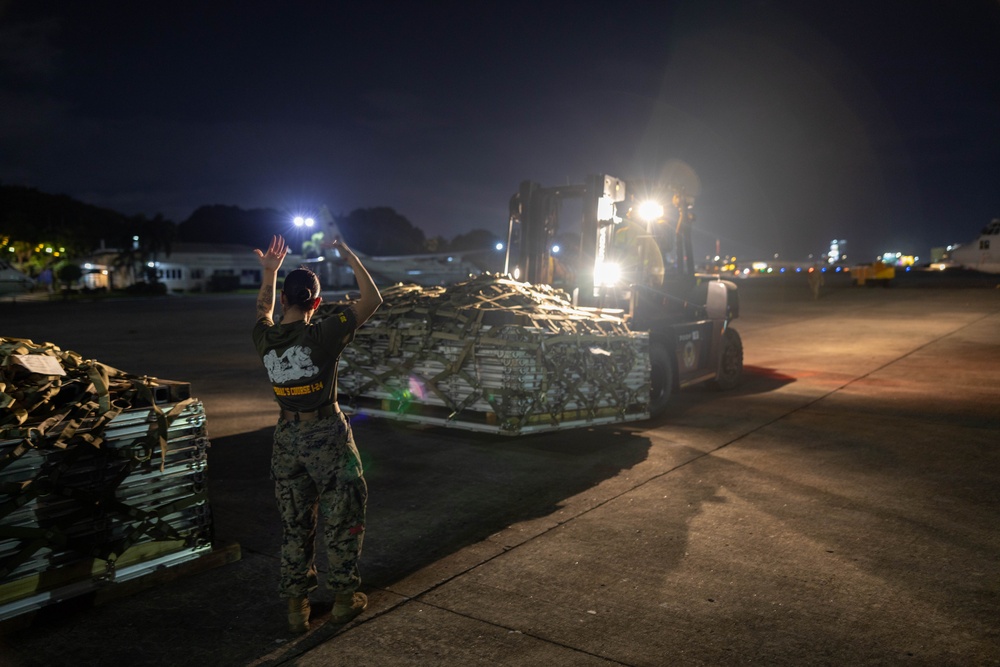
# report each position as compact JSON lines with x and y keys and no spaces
{"x":190,"y":267}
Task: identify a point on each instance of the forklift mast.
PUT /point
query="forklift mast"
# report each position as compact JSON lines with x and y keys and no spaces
{"x":534,"y":223}
{"x":605,"y":202}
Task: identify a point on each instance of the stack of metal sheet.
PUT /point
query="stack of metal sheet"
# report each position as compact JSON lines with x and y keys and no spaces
{"x":496,"y":355}
{"x":103,"y":476}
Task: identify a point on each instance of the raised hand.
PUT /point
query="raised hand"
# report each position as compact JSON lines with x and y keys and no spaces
{"x":271,"y":260}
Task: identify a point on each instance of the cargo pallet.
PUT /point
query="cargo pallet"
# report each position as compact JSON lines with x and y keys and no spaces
{"x":103,"y":481}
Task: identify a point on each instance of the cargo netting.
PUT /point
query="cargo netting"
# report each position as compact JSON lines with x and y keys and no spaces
{"x":103,"y":475}
{"x":496,"y":355}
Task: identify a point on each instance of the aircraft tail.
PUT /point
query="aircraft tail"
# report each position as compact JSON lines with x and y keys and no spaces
{"x":331,"y":231}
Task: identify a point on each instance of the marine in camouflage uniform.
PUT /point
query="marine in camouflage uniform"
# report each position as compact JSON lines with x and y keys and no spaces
{"x":315,"y":466}
{"x":314,"y":463}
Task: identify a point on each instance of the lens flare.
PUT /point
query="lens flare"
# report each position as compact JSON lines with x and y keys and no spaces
{"x":417,"y":388}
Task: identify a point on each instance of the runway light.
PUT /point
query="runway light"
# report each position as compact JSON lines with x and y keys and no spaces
{"x":498,"y":246}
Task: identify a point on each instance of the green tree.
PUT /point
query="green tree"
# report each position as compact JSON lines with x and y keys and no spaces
{"x":381,"y":231}
{"x":436,"y":244}
{"x":33,"y":217}
{"x":23,"y":251}
{"x":477,"y":239}
{"x":68,"y":273}
{"x":312,"y":248}
{"x":143,"y":241}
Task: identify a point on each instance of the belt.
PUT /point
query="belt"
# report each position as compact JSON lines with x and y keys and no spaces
{"x":323,"y":411}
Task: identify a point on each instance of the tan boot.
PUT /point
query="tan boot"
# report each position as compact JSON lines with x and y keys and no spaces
{"x":346,"y":606}
{"x":298,"y":614}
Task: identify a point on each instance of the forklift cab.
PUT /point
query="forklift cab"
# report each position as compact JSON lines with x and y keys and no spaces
{"x":635,"y":259}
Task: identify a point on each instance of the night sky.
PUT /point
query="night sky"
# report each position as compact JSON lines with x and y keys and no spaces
{"x":795,"y":122}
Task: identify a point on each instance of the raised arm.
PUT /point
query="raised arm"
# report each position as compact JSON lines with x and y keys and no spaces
{"x":370,"y":299}
{"x":270,"y":262}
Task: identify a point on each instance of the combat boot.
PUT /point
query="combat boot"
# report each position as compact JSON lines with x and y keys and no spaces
{"x":346,"y":606}
{"x":298,"y":614}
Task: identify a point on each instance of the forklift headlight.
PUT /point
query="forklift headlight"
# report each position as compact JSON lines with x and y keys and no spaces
{"x":607,"y":274}
{"x":650,"y":210}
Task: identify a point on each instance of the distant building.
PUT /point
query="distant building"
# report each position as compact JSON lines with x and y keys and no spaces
{"x":190,"y":267}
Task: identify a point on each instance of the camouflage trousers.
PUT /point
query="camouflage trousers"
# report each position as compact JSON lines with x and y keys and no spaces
{"x":317,"y":472}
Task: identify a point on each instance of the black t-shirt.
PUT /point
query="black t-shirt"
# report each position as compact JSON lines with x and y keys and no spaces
{"x":301,"y":359}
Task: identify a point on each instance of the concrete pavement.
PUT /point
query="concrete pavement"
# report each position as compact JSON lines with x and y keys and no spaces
{"x":839,"y":508}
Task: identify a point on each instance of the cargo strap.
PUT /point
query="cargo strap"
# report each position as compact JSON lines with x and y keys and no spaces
{"x":440,"y":341}
{"x":68,"y":414}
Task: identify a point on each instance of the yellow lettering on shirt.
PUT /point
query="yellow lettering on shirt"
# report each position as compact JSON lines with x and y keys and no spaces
{"x":300,"y":390}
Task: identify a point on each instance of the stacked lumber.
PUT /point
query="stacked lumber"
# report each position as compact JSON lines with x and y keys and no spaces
{"x":495,"y":355}
{"x":103,"y":475}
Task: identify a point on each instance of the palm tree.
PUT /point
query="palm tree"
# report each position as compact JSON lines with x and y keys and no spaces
{"x":141,"y":241}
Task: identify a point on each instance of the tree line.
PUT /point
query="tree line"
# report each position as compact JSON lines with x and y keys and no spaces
{"x":39,"y":229}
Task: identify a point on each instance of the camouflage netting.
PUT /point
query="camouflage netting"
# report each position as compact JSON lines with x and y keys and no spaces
{"x":99,"y":469}
{"x":497,"y":355}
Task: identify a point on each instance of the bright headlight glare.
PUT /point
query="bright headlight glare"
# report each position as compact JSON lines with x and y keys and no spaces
{"x":607,"y":274}
{"x":650,"y":210}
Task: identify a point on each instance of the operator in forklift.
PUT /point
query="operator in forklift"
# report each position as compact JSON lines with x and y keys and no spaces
{"x":637,"y":250}
{"x":643,"y":241}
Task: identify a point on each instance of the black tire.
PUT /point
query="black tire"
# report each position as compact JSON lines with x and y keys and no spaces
{"x":730,"y":361}
{"x":661,"y":378}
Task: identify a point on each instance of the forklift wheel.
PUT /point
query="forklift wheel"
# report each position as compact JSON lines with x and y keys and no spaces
{"x":730,"y":361}
{"x":661,"y":379}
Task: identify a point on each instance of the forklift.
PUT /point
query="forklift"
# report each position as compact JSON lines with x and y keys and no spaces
{"x":626,"y":254}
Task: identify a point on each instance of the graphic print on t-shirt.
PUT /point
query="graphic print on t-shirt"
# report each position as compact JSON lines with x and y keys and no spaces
{"x":295,"y":363}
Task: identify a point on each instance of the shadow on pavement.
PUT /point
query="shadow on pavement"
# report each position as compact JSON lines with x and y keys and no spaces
{"x":432,"y":492}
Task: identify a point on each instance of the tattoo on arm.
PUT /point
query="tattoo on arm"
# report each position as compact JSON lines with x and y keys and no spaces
{"x":265,"y":301}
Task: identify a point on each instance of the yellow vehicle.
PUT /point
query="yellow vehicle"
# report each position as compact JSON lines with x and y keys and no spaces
{"x":876,"y":273}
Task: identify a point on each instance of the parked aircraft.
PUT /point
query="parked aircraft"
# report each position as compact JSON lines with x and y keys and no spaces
{"x":982,"y":254}
{"x":424,"y":269}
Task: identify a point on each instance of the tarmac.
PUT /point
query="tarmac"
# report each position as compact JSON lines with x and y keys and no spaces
{"x":840,"y":507}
